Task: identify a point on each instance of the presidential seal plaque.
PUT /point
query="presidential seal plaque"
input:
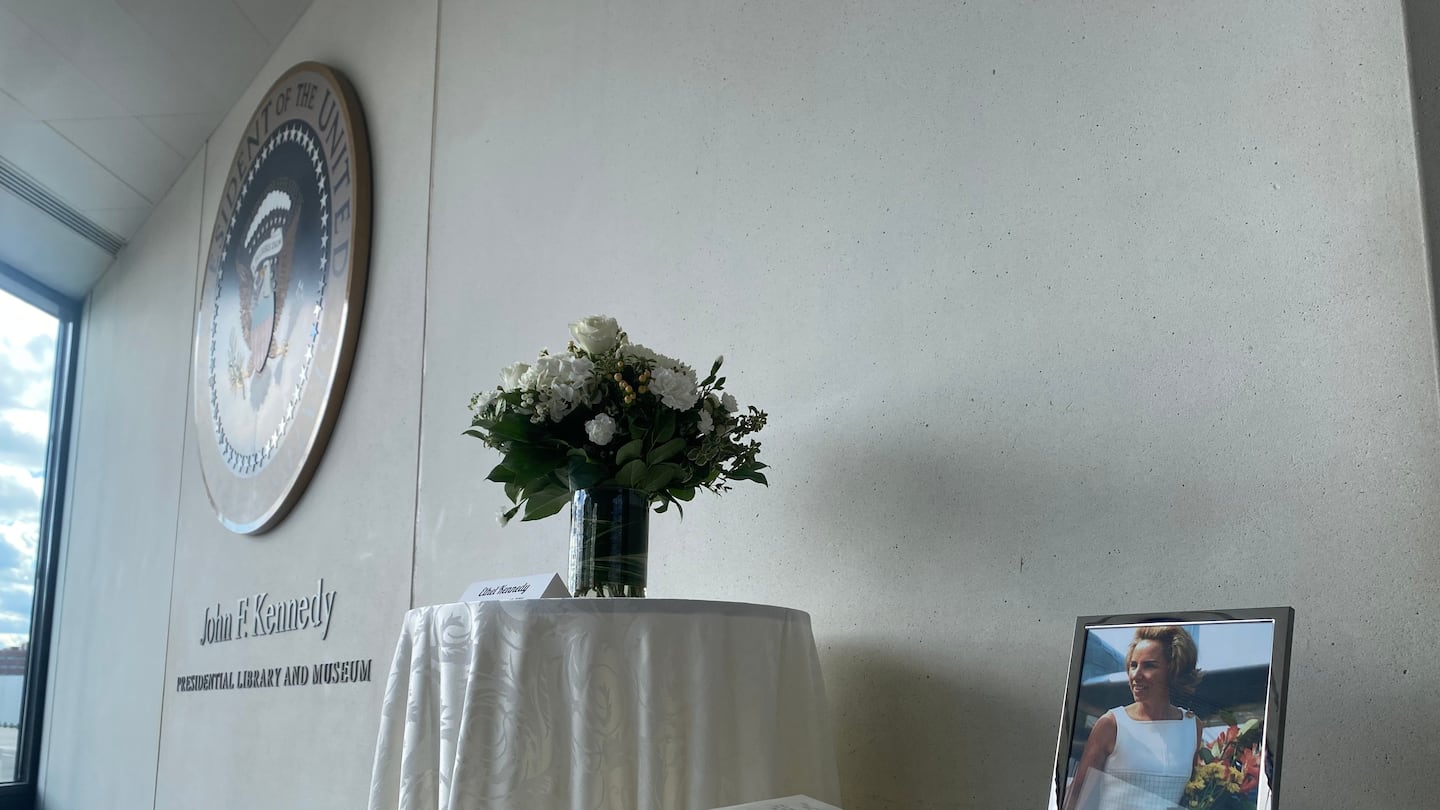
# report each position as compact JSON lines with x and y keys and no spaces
{"x":283,"y":290}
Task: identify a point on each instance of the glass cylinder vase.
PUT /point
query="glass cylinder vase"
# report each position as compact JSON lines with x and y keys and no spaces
{"x":609,"y":541}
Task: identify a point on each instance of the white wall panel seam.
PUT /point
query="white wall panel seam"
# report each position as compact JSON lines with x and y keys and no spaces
{"x":1427,"y":209}
{"x":425,"y":285}
{"x":195,"y":270}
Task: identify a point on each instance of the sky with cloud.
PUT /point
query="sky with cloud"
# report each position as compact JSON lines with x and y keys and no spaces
{"x":27,"y":366}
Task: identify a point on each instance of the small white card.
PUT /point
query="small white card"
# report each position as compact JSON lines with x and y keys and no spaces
{"x":787,"y":803}
{"x":535,"y":586}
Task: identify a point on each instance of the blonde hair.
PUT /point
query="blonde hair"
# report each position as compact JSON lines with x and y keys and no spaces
{"x":1180,"y":653}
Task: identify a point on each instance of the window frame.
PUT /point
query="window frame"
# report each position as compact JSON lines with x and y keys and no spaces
{"x":23,"y":791}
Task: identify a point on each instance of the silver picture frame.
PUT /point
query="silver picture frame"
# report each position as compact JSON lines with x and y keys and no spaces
{"x":1238,"y":706}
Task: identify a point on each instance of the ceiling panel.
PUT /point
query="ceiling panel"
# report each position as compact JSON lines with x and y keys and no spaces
{"x":184,"y":133}
{"x":104,"y":102}
{"x":211,"y":39}
{"x":273,"y":18}
{"x":109,"y":47}
{"x":37,"y":245}
{"x":39,"y":77}
{"x":57,"y":164}
{"x":128,"y":150}
{"x":123,"y":222}
{"x":75,"y":27}
{"x":147,"y":85}
{"x":12,"y":113}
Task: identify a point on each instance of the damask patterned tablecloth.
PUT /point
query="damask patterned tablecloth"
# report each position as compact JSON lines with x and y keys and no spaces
{"x":602,"y":704}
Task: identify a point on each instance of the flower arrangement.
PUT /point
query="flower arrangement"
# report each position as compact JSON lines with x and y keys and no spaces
{"x":1227,"y":772}
{"x":608,"y":412}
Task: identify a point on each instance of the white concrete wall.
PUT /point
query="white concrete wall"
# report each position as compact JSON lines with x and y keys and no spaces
{"x":128,"y":628}
{"x":355,"y":526}
{"x":1057,"y":309}
{"x":107,"y":662}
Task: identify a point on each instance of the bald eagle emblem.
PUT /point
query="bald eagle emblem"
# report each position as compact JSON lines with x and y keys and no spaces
{"x":262,"y":270}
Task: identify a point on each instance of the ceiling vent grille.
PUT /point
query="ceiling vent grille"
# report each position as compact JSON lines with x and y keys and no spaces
{"x":37,"y":195}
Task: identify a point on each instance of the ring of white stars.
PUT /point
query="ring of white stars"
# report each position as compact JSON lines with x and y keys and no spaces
{"x":246,"y":465}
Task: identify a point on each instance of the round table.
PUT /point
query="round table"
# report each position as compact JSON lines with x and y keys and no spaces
{"x":602,"y":704}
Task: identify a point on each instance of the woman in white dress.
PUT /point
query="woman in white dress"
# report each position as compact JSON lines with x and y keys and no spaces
{"x":1140,"y":756}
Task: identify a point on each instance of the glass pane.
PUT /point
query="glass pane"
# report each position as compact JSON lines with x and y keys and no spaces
{"x":27,"y":378}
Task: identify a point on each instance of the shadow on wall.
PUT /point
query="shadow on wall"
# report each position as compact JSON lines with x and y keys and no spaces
{"x":911,"y":736}
{"x":1422,"y":35}
{"x":969,"y":517}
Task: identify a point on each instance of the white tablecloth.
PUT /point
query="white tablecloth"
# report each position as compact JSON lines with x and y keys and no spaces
{"x":602,"y":704}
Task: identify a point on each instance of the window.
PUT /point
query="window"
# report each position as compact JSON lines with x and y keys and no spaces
{"x":37,"y":370}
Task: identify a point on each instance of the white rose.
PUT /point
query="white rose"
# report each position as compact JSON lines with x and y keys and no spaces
{"x":601,"y":429}
{"x":729,"y":403}
{"x":676,"y":389}
{"x":511,"y":374}
{"x":707,"y":423}
{"x":596,"y":334}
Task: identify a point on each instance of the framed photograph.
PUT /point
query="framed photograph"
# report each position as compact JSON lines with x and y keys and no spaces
{"x":1180,"y":710}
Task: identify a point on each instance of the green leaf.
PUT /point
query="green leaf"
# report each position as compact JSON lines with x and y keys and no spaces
{"x":666,"y":451}
{"x":631,"y":474}
{"x":583,"y":473}
{"x":546,"y":502}
{"x":683,"y":494}
{"x":501,"y":474}
{"x":508,"y":515}
{"x":512,"y":491}
{"x":664,"y":427}
{"x":513,"y":426}
{"x":477,"y":433}
{"x":629,"y":451}
{"x":528,"y":461}
{"x":658,"y":477}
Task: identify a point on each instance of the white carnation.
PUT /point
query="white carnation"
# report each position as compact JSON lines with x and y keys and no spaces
{"x":636,"y":354}
{"x":676,"y":389}
{"x":596,"y":334}
{"x":707,"y":423}
{"x":601,"y":429}
{"x":728,"y":403}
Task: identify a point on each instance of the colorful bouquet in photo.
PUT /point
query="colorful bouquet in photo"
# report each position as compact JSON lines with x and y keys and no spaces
{"x":1227,"y":771}
{"x":608,"y":412}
